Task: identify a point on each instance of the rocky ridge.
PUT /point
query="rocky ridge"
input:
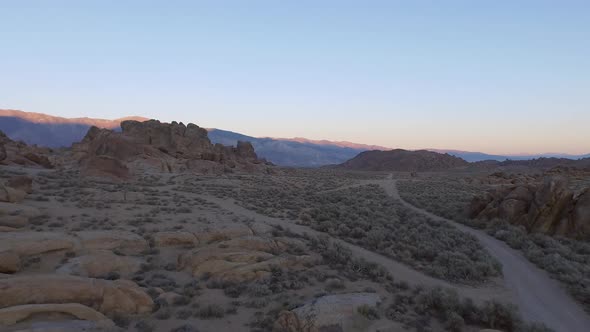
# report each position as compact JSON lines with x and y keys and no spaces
{"x":548,"y":206}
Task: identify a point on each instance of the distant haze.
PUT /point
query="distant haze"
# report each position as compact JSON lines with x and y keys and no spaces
{"x":503,"y":77}
{"x":51,"y":131}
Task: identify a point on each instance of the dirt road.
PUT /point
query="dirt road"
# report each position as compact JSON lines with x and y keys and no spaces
{"x":539,"y":298}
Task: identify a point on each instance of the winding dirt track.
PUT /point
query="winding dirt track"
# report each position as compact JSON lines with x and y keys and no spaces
{"x":539,"y":298}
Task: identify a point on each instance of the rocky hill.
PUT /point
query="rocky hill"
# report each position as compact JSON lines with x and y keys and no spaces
{"x":402,"y":161}
{"x":160,"y":147}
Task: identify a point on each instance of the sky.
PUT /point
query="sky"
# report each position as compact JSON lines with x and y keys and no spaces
{"x":502,"y":77}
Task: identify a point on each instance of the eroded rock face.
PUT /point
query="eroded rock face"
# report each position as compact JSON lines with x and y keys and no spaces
{"x":328,"y":312}
{"x":107,"y":297}
{"x":581,"y":212}
{"x":162,"y":147}
{"x":548,"y":207}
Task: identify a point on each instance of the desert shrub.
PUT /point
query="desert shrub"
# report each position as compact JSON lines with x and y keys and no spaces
{"x":183,"y":314}
{"x":185,"y":328}
{"x":143,"y":326}
{"x":211,"y":311}
{"x":368,"y":312}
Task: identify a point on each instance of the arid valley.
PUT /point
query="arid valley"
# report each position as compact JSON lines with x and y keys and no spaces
{"x":155,"y":228}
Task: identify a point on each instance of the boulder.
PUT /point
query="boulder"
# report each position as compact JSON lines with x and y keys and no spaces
{"x":10,"y":209}
{"x":17,"y":221}
{"x":38,"y":159}
{"x":108,"y":297}
{"x":21,"y":182}
{"x":3,"y":153}
{"x":13,"y":315}
{"x":239,"y":260}
{"x":126,"y":242}
{"x":581,"y":214}
{"x":11,"y":195}
{"x":9,"y":262}
{"x":100,"y":265}
{"x":35,"y":243}
{"x":327,"y":312}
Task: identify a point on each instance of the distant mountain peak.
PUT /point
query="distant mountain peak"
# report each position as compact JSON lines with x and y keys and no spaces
{"x":50,"y":119}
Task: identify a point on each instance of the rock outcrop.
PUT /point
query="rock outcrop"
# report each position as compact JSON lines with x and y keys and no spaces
{"x":19,"y":153}
{"x":549,"y":207}
{"x":331,"y":311}
{"x":163,"y":147}
{"x":21,"y":182}
{"x":240,"y":259}
{"x":125,"y":242}
{"x":14,"y":315}
{"x":107,"y":297}
{"x":101,"y":265}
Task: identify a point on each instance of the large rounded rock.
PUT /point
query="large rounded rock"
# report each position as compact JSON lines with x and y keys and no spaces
{"x":21,"y":182}
{"x":108,"y":297}
{"x":9,"y":262}
{"x":326,"y":312}
{"x":11,"y":195}
{"x":13,"y":315}
{"x":100,"y":265}
{"x":14,"y":221}
{"x":9,"y":209}
{"x":35,"y":243}
{"x":126,"y":242}
{"x":240,"y":260}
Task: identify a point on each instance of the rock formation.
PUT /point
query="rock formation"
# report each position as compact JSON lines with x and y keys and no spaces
{"x":164,"y":147}
{"x":549,"y":207}
{"x":328,"y":313}
{"x":19,"y":153}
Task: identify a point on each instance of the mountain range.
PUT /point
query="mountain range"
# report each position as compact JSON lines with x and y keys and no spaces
{"x":55,"y":132}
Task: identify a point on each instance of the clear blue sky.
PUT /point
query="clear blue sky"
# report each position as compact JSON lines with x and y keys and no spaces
{"x":492,"y":76}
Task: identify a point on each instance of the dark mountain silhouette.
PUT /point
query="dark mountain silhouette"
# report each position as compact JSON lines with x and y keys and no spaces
{"x":403,"y":161}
